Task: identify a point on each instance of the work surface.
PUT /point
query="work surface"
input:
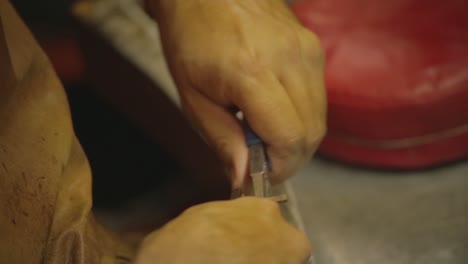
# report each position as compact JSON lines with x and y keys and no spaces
{"x":367,"y":216}
{"x":361,"y":216}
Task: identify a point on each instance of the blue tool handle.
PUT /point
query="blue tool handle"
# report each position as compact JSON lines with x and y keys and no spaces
{"x":250,"y":137}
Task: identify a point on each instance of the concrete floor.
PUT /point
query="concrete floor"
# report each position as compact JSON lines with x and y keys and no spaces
{"x":356,"y":215}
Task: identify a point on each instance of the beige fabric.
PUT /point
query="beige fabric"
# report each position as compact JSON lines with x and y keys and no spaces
{"x":45,"y":179}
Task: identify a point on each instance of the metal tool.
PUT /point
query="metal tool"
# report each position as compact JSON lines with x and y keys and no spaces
{"x":257,"y":164}
{"x":258,"y":168}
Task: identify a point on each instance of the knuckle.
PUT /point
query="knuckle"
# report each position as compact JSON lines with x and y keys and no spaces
{"x":246,"y":75}
{"x":250,"y":66}
{"x":315,"y":137}
{"x":292,"y":41}
{"x":269,"y":206}
{"x":313,"y":46}
{"x":295,"y":139}
{"x":289,"y":145}
{"x":311,"y":145}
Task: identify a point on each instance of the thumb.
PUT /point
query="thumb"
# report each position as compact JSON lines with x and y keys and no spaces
{"x":222,"y":131}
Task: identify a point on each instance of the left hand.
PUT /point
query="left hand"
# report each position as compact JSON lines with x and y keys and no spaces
{"x":251,"y":56}
{"x":245,"y":230}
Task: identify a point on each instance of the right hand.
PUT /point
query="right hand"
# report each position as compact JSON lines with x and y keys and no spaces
{"x":245,"y":230}
{"x":251,"y":56}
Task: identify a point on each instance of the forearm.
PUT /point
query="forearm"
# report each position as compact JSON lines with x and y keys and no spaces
{"x":18,"y":49}
{"x":19,"y":43}
{"x":162,"y":9}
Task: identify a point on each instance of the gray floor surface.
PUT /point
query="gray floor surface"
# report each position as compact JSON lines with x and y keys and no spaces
{"x":363,"y":216}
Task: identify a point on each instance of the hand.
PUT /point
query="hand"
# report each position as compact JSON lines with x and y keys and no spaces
{"x":251,"y":56}
{"x":245,"y":230}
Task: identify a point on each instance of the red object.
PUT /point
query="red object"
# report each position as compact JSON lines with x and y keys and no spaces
{"x":397,"y":79}
{"x":65,"y":55}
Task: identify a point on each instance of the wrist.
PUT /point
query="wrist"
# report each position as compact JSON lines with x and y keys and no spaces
{"x":160,"y":9}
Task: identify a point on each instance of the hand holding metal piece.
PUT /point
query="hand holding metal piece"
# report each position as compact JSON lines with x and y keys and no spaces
{"x":258,"y":168}
{"x":258,"y":171}
{"x":257,"y":163}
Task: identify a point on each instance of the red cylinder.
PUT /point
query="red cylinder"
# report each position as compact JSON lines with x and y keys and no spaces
{"x":396,"y":78}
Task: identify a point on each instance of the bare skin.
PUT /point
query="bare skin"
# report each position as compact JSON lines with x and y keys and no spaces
{"x":249,"y":230}
{"x":45,"y":191}
{"x":251,"y":56}
{"x":44,"y":177}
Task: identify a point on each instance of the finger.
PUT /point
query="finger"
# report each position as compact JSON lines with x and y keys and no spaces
{"x":305,"y":88}
{"x":297,"y":244}
{"x":301,"y":247}
{"x":271,"y":114}
{"x":221,"y":130}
